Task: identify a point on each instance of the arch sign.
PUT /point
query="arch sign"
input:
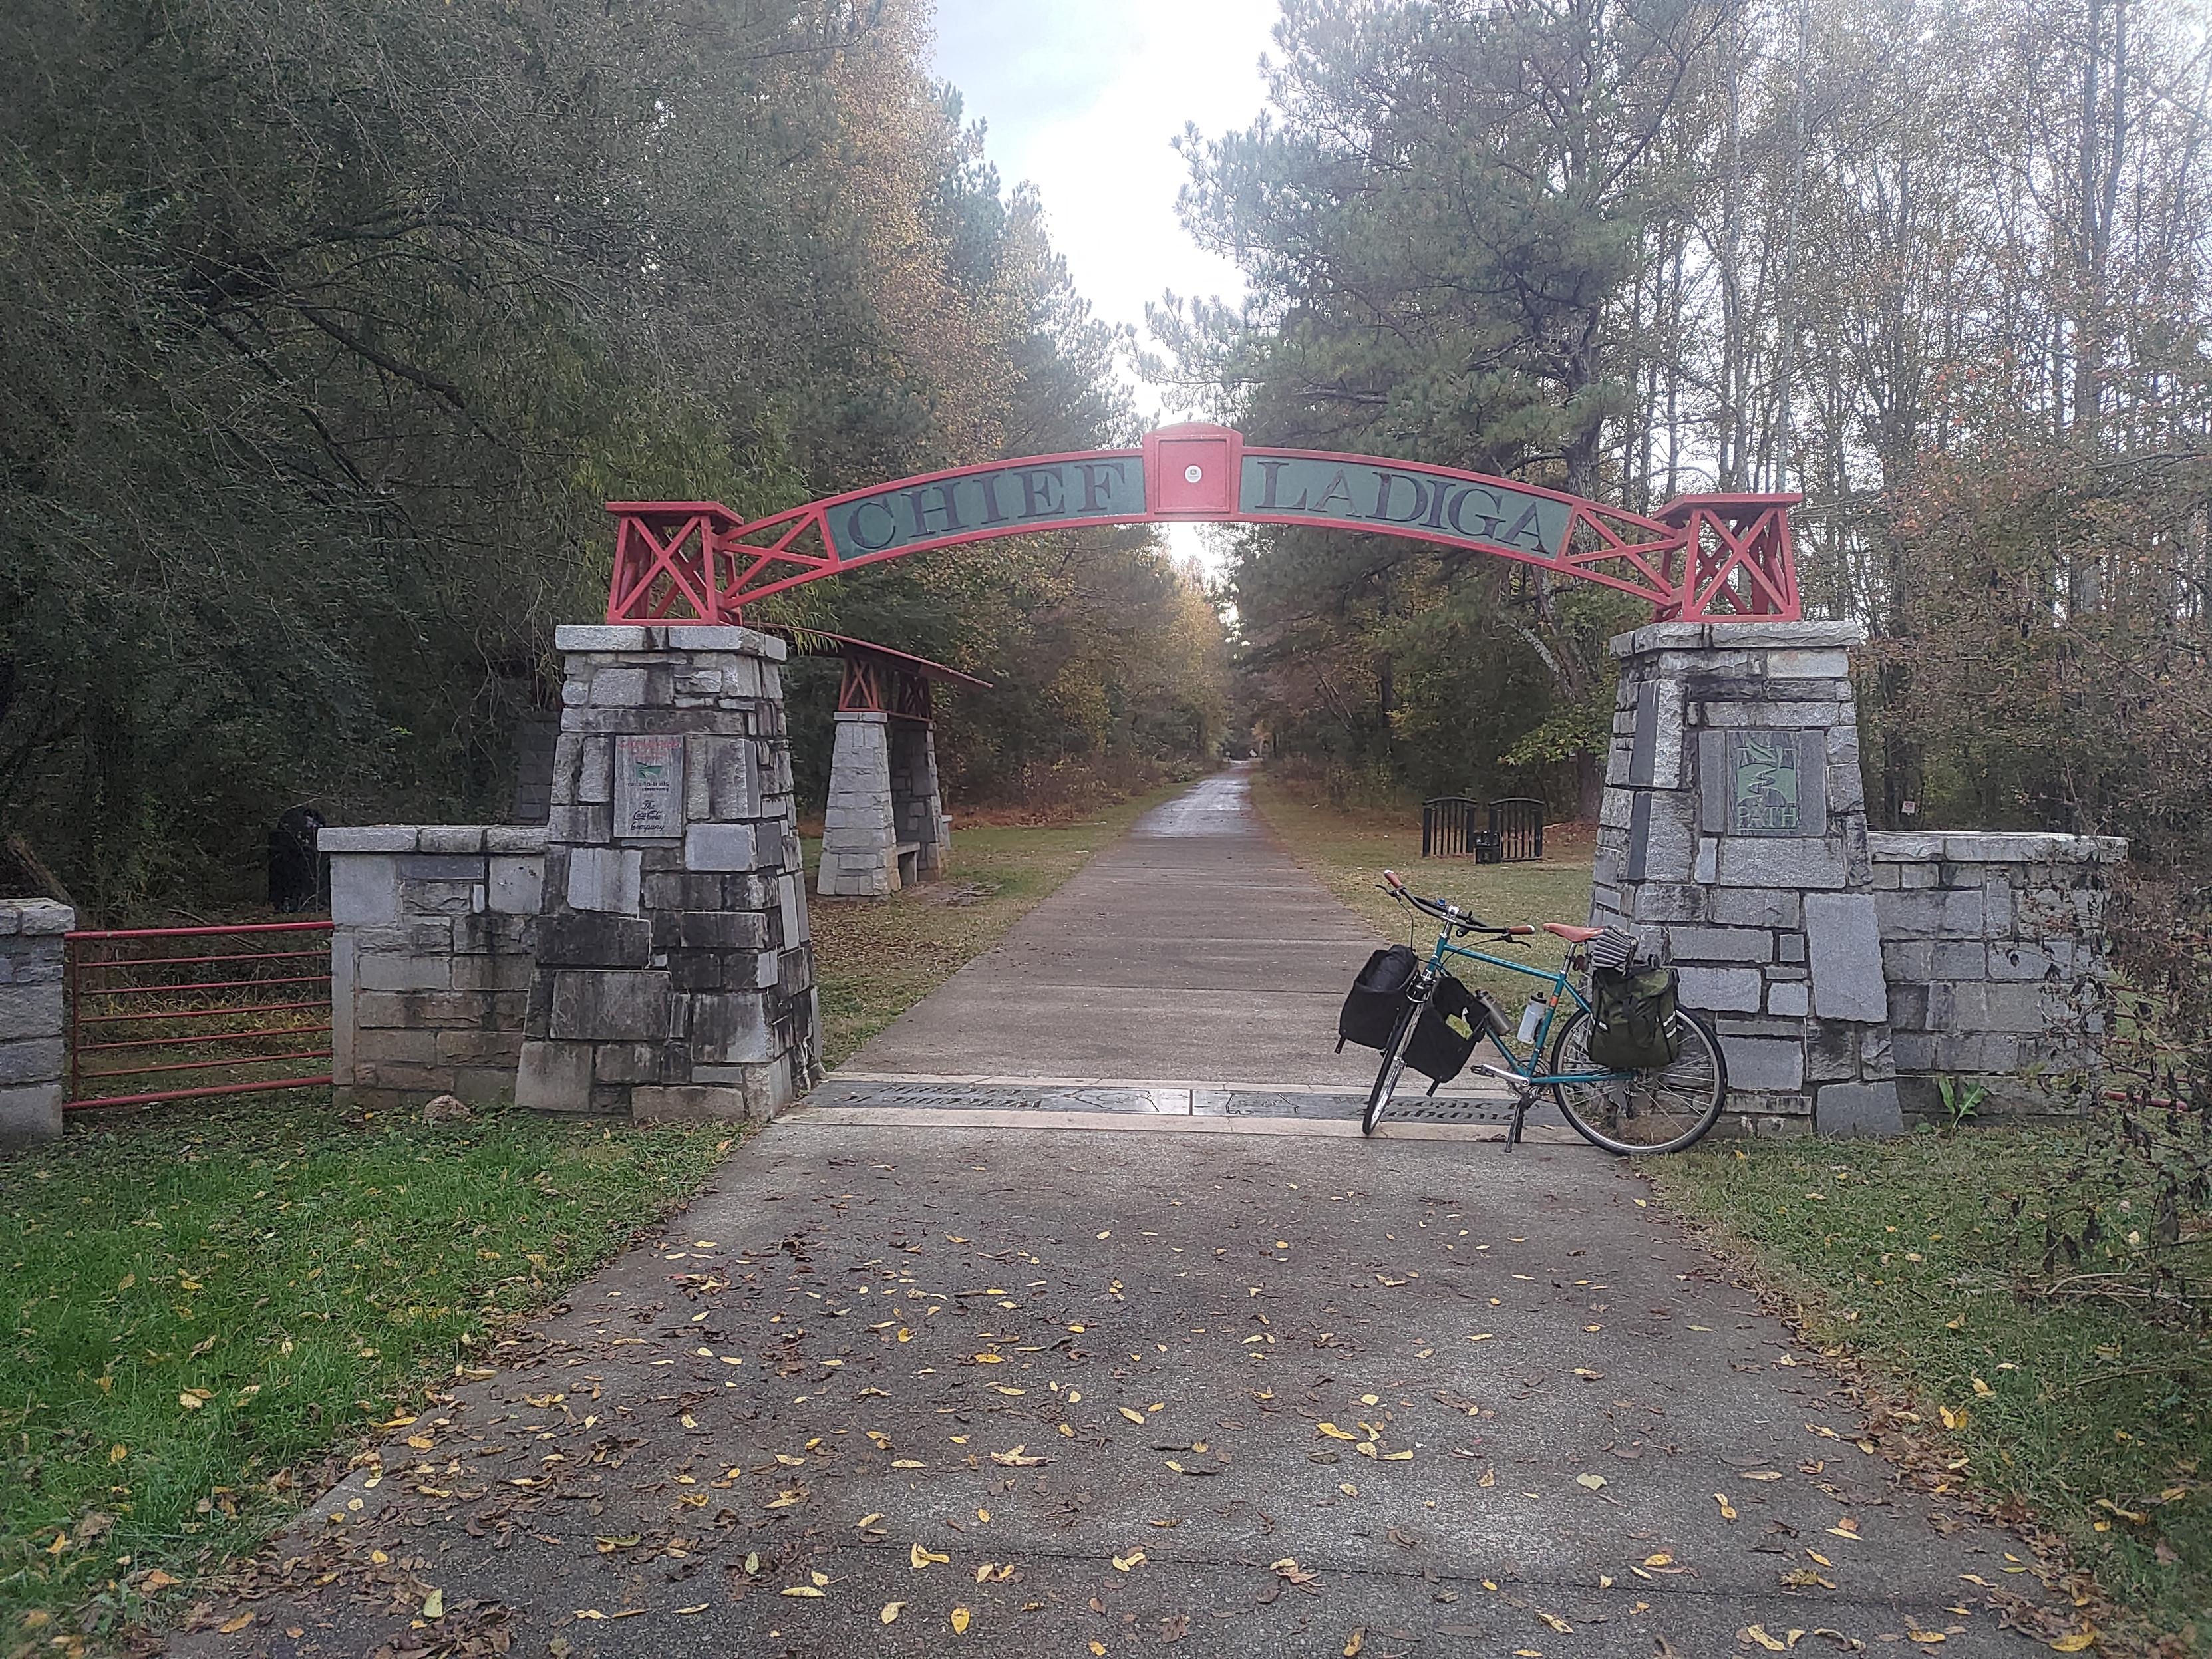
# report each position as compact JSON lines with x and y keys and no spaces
{"x":1700,"y":558}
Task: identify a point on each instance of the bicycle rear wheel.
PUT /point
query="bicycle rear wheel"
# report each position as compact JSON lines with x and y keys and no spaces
{"x":1393,"y":1068}
{"x":1662,"y":1110}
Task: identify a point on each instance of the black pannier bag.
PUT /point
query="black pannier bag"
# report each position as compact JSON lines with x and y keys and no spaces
{"x":1377,"y":998}
{"x":1633,"y":1024}
{"x":1445,"y":1037}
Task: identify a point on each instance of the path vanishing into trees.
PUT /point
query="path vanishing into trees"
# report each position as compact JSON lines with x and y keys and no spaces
{"x":1188,"y":1380}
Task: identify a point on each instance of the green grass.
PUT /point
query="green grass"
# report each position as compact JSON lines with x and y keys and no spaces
{"x":296,"y":1276}
{"x":875,"y":958}
{"x":2099,"y":1422}
{"x":1348,"y":849}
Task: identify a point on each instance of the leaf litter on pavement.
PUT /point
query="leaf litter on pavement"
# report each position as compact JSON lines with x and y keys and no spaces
{"x":1156,"y":1353}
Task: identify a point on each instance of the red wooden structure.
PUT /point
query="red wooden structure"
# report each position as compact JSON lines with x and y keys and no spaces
{"x":878,"y":680}
{"x":1700,"y":558}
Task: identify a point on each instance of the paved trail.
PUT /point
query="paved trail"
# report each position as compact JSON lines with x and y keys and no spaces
{"x":1091,"y":1368}
{"x":1194,"y":950}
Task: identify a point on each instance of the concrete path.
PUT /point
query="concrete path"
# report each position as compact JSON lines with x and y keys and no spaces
{"x":1194,"y":950}
{"x":1169,"y":1386}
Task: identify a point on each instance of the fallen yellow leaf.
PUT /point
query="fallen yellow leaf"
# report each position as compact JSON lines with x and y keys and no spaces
{"x":891,"y":1611}
{"x":2077,"y":1643}
{"x":236,"y":1625}
{"x":1123,"y":1563}
{"x":812,"y":1591}
{"x":960,"y":1618}
{"x":1132,"y":1415}
{"x":1593,"y":1482}
{"x":921,"y":1557}
{"x":434,"y":1605}
{"x":1758,"y":1633}
{"x":1333,"y":1432}
{"x":1728,"y":1509}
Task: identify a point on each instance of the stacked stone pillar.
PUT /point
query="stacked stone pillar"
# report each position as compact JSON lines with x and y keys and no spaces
{"x":917,"y":804}
{"x":885,"y":827}
{"x":1734,"y":843}
{"x":32,"y":1061}
{"x":674,"y":978}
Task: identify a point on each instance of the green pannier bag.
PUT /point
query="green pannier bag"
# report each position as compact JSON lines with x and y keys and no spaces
{"x":1633,"y":1025}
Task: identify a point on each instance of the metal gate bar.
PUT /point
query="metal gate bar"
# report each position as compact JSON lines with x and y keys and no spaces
{"x":113,"y":974}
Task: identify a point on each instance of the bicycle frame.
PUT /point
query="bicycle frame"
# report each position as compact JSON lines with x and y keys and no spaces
{"x":1523,"y":1069}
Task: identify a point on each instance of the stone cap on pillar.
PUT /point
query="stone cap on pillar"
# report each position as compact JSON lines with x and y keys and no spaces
{"x":697,"y":636}
{"x":41,"y":917}
{"x":1737,"y":636}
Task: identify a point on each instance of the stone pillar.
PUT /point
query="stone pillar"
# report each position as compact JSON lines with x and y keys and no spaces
{"x":860,"y":831}
{"x":674,"y":977}
{"x":33,"y":1063}
{"x":1733,"y":841}
{"x":917,"y":804}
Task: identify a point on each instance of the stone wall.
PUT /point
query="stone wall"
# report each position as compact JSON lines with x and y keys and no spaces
{"x":674,"y":976}
{"x":33,"y":1062}
{"x":1984,"y":939}
{"x":434,"y":934}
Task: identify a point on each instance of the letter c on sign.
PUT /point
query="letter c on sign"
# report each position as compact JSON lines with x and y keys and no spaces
{"x":858,"y":537}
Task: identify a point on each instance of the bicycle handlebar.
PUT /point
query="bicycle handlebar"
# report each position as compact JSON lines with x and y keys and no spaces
{"x":1450,"y":914}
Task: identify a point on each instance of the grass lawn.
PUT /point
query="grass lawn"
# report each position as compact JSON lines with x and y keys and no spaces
{"x":1348,"y":849}
{"x":2098,"y":1422}
{"x":875,"y":958}
{"x":207,"y":1300}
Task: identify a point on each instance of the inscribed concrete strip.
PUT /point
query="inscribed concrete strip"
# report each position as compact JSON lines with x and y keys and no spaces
{"x":886,"y":1117}
{"x":1460,"y":1089}
{"x":1563,"y":1431}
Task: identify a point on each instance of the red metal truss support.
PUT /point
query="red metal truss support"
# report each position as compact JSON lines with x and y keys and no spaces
{"x":1735,"y":560}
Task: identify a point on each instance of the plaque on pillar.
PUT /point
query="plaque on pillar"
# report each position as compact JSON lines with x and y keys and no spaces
{"x":649,"y":786}
{"x":1763,"y":783}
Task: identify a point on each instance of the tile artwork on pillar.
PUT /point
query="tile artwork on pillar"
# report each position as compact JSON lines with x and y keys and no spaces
{"x":1763,"y":783}
{"x":649,"y":786}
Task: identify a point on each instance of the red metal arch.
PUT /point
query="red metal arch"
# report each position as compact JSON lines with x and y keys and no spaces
{"x":1700,"y":558}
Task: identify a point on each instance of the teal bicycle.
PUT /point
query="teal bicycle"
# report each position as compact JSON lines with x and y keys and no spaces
{"x":1659,"y":1110}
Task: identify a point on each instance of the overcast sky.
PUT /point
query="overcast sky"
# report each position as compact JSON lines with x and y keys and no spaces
{"x":1081,"y":98}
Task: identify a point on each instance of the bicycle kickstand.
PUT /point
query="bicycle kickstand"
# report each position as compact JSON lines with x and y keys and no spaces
{"x":1520,"y":1099}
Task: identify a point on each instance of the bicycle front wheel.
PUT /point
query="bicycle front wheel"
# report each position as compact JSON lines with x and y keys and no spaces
{"x":1393,"y":1068}
{"x":1662,"y":1110}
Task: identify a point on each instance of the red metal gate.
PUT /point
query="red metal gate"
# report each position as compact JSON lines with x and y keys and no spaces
{"x":227,"y":1007}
